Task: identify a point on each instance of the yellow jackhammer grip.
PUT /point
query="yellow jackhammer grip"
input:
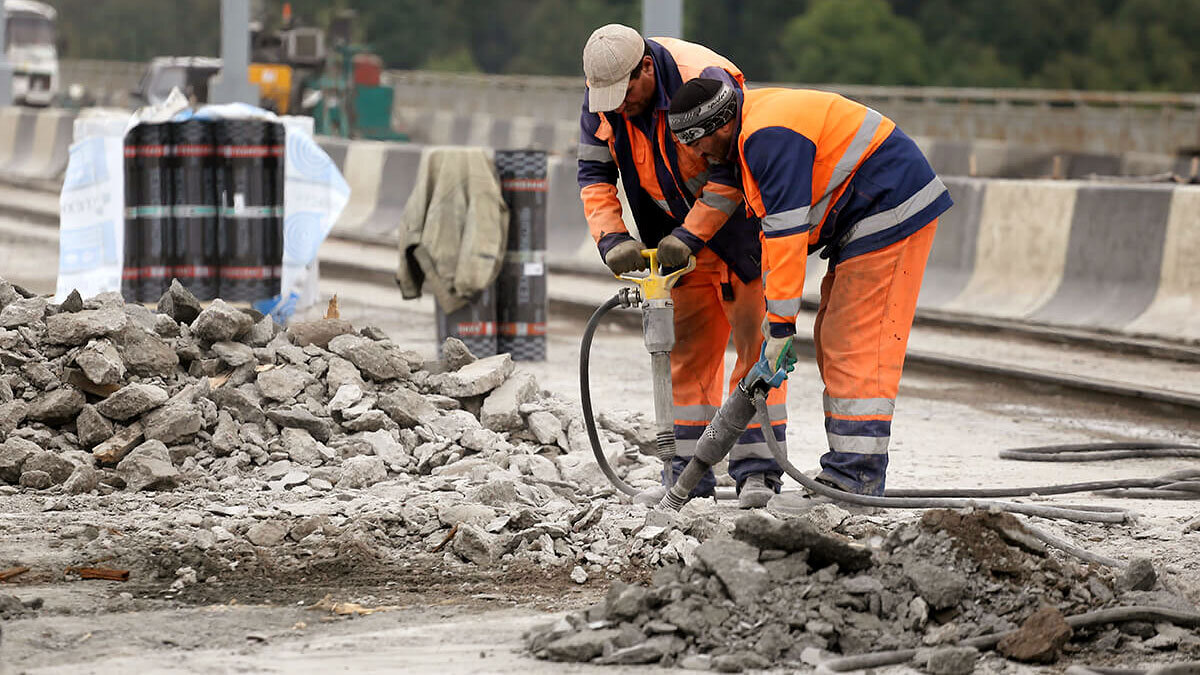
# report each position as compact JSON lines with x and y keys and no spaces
{"x":653,"y":284}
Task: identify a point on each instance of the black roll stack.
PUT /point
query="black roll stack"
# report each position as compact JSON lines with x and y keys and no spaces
{"x":204,"y":205}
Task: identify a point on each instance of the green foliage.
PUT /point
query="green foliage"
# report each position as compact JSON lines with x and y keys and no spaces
{"x":1094,"y":44}
{"x":850,"y":42}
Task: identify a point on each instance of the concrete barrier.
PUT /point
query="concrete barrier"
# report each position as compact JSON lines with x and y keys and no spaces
{"x":1021,"y":243}
{"x":442,"y":127}
{"x":35,"y":143}
{"x":1175,"y":309}
{"x":1114,"y":256}
{"x":952,"y":259}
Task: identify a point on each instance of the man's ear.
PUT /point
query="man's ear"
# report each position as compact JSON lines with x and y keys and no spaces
{"x":648,"y":64}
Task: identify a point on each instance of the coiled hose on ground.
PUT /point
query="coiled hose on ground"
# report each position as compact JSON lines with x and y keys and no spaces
{"x":1177,"y":485}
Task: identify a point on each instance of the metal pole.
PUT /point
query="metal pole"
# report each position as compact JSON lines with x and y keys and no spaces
{"x":5,"y":66}
{"x":234,"y":85}
{"x":662,"y":18}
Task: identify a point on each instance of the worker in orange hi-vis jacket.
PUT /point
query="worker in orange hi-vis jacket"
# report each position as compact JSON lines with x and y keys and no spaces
{"x":826,"y":173}
{"x":683,"y":206}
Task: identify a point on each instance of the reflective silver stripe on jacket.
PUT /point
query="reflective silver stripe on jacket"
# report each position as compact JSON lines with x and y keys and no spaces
{"x":595,"y":153}
{"x":662,"y":204}
{"x":846,"y":163}
{"x":862,"y":445}
{"x":719,"y":202}
{"x":777,"y":222}
{"x":893,"y":216}
{"x":696,"y":182}
{"x":853,"y":407}
{"x":788,"y":307}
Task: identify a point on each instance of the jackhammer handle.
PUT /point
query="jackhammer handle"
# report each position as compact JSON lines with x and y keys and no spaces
{"x":669,"y":280}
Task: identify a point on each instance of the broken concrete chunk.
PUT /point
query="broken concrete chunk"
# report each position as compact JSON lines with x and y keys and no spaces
{"x":83,"y":479}
{"x":300,"y":418}
{"x":77,"y":328}
{"x":179,"y":303}
{"x":56,"y":467}
{"x":408,"y":408}
{"x":796,"y":534}
{"x":238,"y":403}
{"x":302,"y":448}
{"x":476,"y":378}
{"x":11,"y":416}
{"x":56,"y":407}
{"x":234,"y":354}
{"x":25,"y":312}
{"x":172,"y":423}
{"x":145,"y":353}
{"x":283,"y":384}
{"x":132,"y":400}
{"x":13,"y":453}
{"x":72,"y":303}
{"x":261,"y":333}
{"x":456,"y":354}
{"x":376,"y":361}
{"x":939,"y":586}
{"x":545,"y":426}
{"x":476,"y":545}
{"x":114,"y":449}
{"x":1139,"y":575}
{"x":220,"y":322}
{"x":736,"y":565}
{"x":319,"y":332}
{"x":266,"y":533}
{"x":148,"y":467}
{"x":501,"y":408}
{"x":100,"y":362}
{"x":361,"y":472}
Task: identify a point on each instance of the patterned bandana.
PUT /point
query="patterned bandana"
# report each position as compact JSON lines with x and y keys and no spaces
{"x":692,"y":125}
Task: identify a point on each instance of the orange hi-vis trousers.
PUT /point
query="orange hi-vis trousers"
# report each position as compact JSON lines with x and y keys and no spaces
{"x":711,"y":303}
{"x":861,"y":334}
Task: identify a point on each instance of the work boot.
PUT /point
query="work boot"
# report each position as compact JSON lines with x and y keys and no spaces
{"x":797,"y":503}
{"x":755,"y":492}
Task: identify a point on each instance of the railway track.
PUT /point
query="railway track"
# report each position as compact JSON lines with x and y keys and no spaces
{"x":1135,"y":369}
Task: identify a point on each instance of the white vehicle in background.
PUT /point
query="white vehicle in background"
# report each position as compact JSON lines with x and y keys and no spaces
{"x":29,"y":43}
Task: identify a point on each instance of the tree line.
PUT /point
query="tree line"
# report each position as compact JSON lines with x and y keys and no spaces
{"x":1095,"y":44}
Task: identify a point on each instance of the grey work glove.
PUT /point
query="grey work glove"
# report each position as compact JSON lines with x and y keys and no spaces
{"x":625,"y":257}
{"x":672,"y":252}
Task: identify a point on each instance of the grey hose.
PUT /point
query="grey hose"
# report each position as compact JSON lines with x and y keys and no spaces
{"x":1098,"y":617}
{"x":585,"y":394}
{"x":1079,"y":514}
{"x":1095,"y":452}
{"x":1064,"y":545}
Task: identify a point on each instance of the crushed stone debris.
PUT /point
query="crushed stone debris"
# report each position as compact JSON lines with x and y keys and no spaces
{"x":792,"y":592}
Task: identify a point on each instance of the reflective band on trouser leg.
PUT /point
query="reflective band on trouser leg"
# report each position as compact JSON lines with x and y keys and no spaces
{"x":697,"y":361}
{"x":867,"y":307}
{"x":751,"y":454}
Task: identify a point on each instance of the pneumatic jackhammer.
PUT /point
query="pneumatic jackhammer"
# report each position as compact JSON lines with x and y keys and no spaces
{"x":652,"y":293}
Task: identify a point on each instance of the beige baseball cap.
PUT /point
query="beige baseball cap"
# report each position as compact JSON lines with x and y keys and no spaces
{"x":611,"y":53}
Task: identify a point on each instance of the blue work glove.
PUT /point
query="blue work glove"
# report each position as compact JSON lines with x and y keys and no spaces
{"x":776,"y":360}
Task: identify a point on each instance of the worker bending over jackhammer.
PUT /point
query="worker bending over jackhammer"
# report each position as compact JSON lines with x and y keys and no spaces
{"x":684,"y":207}
{"x":825,"y":173}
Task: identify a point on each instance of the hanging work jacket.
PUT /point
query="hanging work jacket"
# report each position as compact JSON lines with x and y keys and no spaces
{"x":671,"y":189}
{"x":825,"y":172}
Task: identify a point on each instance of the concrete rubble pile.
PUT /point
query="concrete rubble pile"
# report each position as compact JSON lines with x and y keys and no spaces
{"x":243,"y":432}
{"x":796,"y":591}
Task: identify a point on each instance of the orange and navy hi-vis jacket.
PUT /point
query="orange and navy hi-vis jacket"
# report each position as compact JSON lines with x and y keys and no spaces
{"x":670,"y":188}
{"x":822,"y":171}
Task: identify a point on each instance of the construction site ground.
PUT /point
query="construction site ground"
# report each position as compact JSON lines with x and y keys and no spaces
{"x":948,"y":430}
